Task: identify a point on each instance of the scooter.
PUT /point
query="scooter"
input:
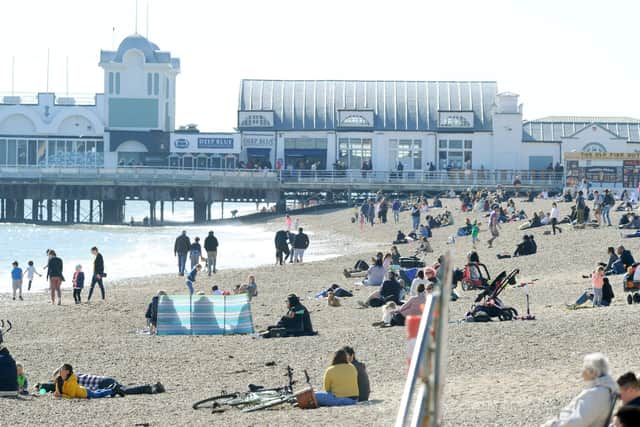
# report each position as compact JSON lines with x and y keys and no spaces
{"x":528,"y":316}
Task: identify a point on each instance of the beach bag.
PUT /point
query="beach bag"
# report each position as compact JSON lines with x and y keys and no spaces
{"x":306,"y":398}
{"x":361,"y":266}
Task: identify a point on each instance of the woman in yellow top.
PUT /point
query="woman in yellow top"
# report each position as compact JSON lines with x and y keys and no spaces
{"x":67,"y":386}
{"x":340,"y":383}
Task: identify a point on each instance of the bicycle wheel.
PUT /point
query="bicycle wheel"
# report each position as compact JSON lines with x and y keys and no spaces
{"x":215,"y":401}
{"x":270,"y":403}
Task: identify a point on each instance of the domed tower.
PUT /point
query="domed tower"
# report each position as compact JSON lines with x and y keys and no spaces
{"x":139,"y":96}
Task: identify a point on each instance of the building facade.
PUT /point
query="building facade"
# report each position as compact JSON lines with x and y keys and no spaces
{"x":295,"y":124}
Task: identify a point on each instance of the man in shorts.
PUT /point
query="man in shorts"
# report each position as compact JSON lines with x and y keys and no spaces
{"x":16,"y":280}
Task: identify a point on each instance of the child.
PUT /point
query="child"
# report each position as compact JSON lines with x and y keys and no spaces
{"x":332,"y":300}
{"x":215,"y":290}
{"x":598,"y":282}
{"x":16,"y":278}
{"x":251,"y":288}
{"x":23,"y":384}
{"x":361,"y":220}
{"x":29,"y":272}
{"x":387,"y":312}
{"x":191,"y":278}
{"x":475,"y":230}
{"x":289,"y":222}
{"x":66,"y":383}
{"x":78,"y":283}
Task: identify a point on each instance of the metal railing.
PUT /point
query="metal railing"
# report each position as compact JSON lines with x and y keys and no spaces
{"x":468,"y":178}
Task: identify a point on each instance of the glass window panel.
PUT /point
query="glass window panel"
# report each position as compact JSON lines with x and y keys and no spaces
{"x":117,"y":83}
{"x":42,"y":152}
{"x":32,"y":149}
{"x":22,"y":152}
{"x":149,"y":84}
{"x":455,"y":160}
{"x":3,"y":151}
{"x":156,"y":83}
{"x":467,"y":159}
{"x":468,"y":144}
{"x":11,"y":152}
{"x":455,"y":144}
{"x":442,"y":143}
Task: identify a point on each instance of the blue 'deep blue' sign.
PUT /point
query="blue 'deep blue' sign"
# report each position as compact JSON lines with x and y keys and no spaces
{"x":216,"y":143}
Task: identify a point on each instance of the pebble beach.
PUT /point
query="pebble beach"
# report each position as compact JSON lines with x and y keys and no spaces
{"x":517,"y":373}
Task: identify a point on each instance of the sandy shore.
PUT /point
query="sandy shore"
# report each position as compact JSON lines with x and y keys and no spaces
{"x":511,"y":373}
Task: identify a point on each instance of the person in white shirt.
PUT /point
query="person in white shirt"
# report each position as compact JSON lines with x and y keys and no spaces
{"x":555,"y":218}
{"x":29,"y":272}
{"x":420,"y":280}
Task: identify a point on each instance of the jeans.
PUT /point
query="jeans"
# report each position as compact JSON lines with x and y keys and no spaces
{"x":605,"y":214}
{"x":597,"y":297}
{"x":396,"y":216}
{"x":586,"y":296}
{"x":182,"y":261}
{"x":96,"y":394}
{"x":189,"y":284}
{"x":580,"y":216}
{"x":554,"y":226}
{"x":76,"y":295}
{"x":211,"y":261}
{"x":136,"y":389}
{"x":194,"y":260}
{"x":416,"y":222}
{"x":326,"y":398}
{"x":95,"y":280}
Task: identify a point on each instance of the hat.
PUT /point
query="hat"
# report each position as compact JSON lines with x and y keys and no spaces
{"x":430,"y":272}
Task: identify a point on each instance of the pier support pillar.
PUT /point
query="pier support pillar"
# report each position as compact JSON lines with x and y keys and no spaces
{"x":20,"y":210}
{"x":35,"y":210}
{"x":63,"y":211}
{"x":199,"y":212}
{"x":152,"y":212}
{"x":91,"y":211}
{"x":70,"y":211}
{"x":77,"y":211}
{"x":10,"y":210}
{"x":49,"y":210}
{"x":2,"y":209}
{"x":161,"y":211}
{"x":113,"y":212}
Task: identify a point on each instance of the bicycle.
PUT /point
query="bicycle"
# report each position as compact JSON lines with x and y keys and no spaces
{"x":255,"y":399}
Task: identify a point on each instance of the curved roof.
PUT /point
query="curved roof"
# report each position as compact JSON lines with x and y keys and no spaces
{"x":150,"y":50}
{"x":396,"y":105}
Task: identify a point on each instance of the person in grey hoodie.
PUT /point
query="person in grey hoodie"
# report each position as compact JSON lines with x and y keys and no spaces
{"x":590,"y":408}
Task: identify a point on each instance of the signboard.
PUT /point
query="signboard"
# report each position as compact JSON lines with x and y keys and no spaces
{"x":216,"y":142}
{"x":181,"y":143}
{"x":601,"y":156}
{"x":603,"y":174}
{"x":257,"y":140}
{"x":455,"y":119}
{"x":631,"y":173}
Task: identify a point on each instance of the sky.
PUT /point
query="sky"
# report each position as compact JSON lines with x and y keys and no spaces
{"x":562,"y":57}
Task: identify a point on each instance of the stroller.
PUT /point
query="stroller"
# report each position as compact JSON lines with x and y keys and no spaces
{"x":488,"y":305}
{"x":630,"y":286}
{"x":474,"y":276}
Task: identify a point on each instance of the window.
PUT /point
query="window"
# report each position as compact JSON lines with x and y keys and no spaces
{"x":3,"y":151}
{"x":156,"y":83}
{"x":149,"y":84}
{"x":255,"y":120}
{"x":407,"y":151}
{"x":117,"y":83}
{"x":167,"y":88}
{"x":110,"y":82}
{"x":455,"y":154}
{"x":594,"y":147}
{"x":22,"y":152}
{"x":355,"y":121}
{"x":11,"y":152}
{"x":352,"y":152}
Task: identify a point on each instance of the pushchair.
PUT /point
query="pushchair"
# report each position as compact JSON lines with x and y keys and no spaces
{"x":474,"y":276}
{"x":631,"y":287}
{"x":488,"y":305}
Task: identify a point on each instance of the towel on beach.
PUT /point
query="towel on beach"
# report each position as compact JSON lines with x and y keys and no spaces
{"x":204,"y":315}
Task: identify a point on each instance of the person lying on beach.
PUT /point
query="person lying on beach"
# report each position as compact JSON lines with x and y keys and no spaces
{"x":337,"y":291}
{"x":296,"y":322}
{"x":360,"y":268}
{"x":66,"y":385}
{"x":592,"y":406}
{"x":97,"y":382}
{"x":340,"y":383}
{"x":633,"y":222}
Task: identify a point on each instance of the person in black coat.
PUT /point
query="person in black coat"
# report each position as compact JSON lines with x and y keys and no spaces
{"x":181,"y":249}
{"x":625,"y":257}
{"x":54,"y":274}
{"x":282,"y":246}
{"x":211,"y":247}
{"x":300,"y":244}
{"x":98,"y":273}
{"x":8,"y":371}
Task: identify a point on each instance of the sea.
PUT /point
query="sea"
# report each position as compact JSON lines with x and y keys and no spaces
{"x":141,"y":251}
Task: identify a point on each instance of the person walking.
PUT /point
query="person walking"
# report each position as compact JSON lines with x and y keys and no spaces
{"x":494,"y":225}
{"x":55,"y":277}
{"x":98,"y":273}
{"x":181,"y":249}
{"x":395,"y":207}
{"x":581,"y":206}
{"x":300,"y":244}
{"x":78,"y":284}
{"x":282,"y":246}
{"x":195,"y":252}
{"x":16,"y":279}
{"x":607,"y":203}
{"x":555,"y":217}
{"x":30,"y":271}
{"x":415,"y":217}
{"x":211,"y":247}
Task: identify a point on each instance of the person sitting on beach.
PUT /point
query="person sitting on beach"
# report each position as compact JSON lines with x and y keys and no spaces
{"x":401,"y":238}
{"x":627,"y":416}
{"x":152,"y":312}
{"x":297,"y":321}
{"x":375,"y":274}
{"x":23,"y":383}
{"x":340,"y":383}
{"x":412,"y":307}
{"x":526,"y":247}
{"x":625,"y":257}
{"x":97,"y":382}
{"x":360,"y":268}
{"x":633,"y":222}
{"x":587,"y":295}
{"x":66,"y":385}
{"x":416,"y":282}
{"x":364,"y":388}
{"x":390,"y":290}
{"x":592,"y":406}
{"x":250,"y":288}
{"x":395,"y":255}
{"x":424,"y":248}
{"x":629,"y":389}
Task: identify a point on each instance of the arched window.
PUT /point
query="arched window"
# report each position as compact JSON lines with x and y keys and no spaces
{"x":255,"y":120}
{"x":355,"y":121}
{"x":594,"y":147}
